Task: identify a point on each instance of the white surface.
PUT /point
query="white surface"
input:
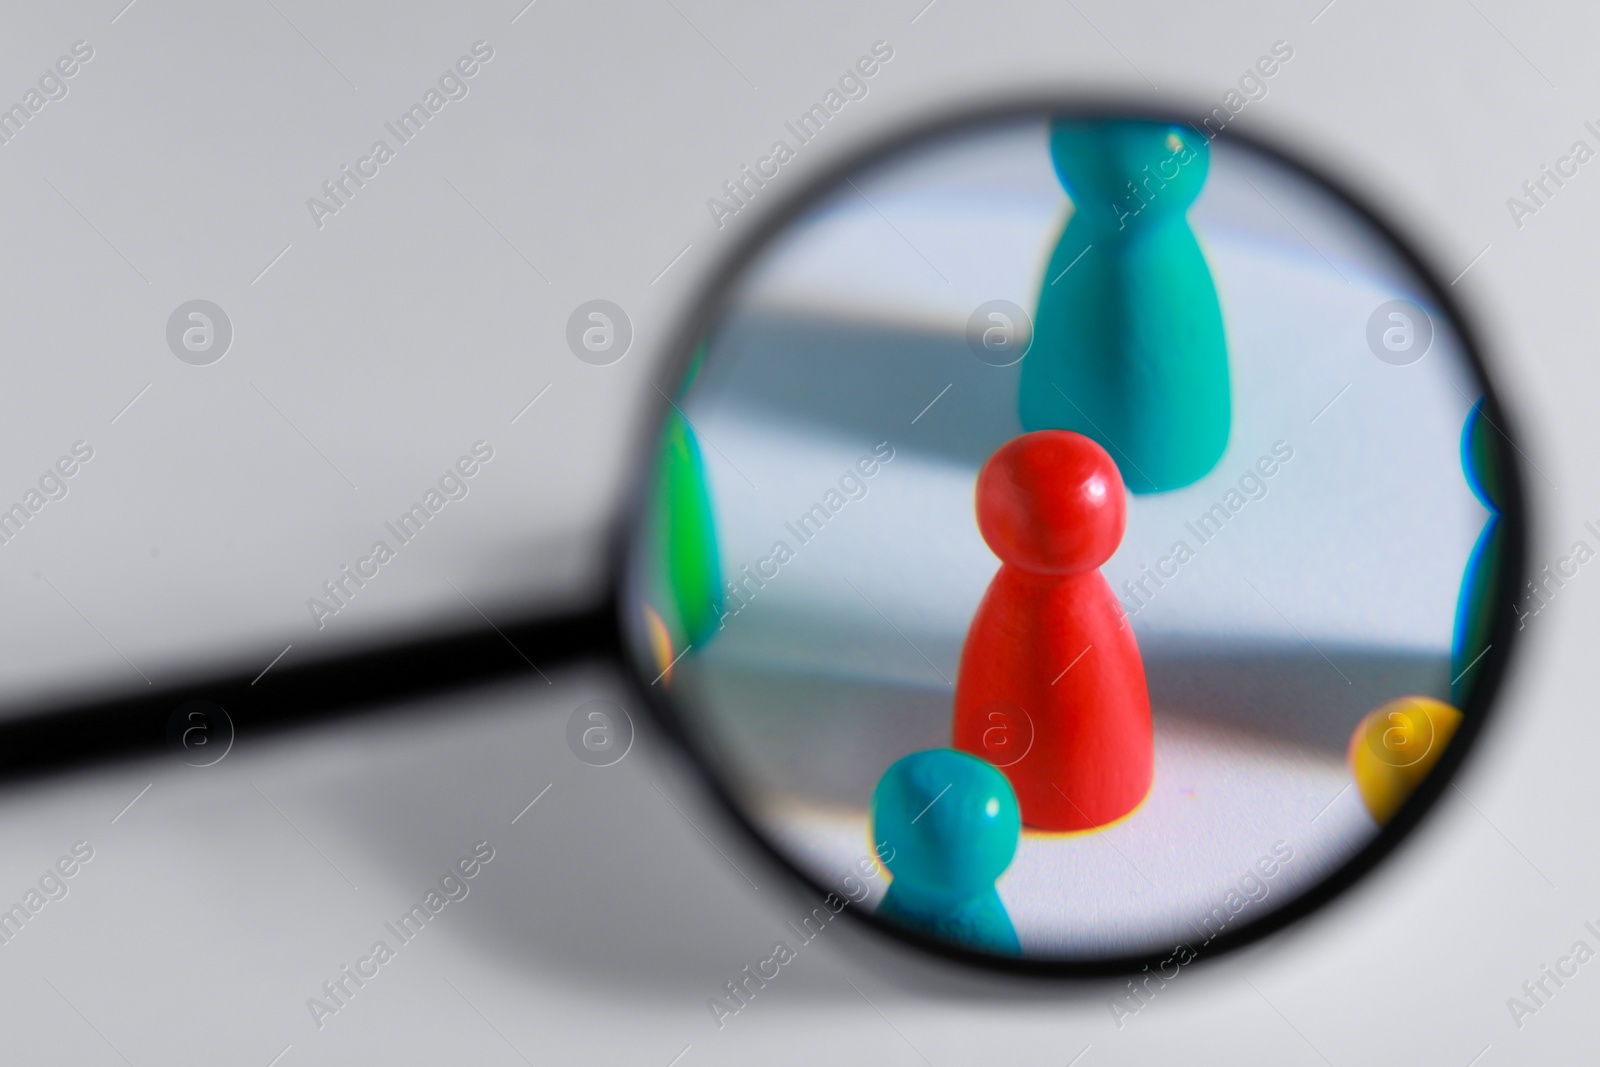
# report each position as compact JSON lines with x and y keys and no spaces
{"x":1221,"y":799}
{"x":192,"y":141}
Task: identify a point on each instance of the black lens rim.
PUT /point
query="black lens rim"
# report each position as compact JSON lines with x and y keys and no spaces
{"x":709,"y":304}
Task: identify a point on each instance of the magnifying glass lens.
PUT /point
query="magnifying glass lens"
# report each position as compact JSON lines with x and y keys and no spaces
{"x":1075,"y":537}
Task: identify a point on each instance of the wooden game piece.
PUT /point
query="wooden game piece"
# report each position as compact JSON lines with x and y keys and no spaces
{"x":1049,"y":640}
{"x":686,"y":595}
{"x":1481,"y":462}
{"x":1128,"y":344}
{"x":947,"y":827}
{"x":1395,"y":747}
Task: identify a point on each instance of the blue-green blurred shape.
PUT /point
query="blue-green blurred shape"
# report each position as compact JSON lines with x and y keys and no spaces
{"x":1482,"y":460}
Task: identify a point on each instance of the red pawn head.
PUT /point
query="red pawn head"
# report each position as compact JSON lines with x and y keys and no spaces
{"x":1052,"y":502}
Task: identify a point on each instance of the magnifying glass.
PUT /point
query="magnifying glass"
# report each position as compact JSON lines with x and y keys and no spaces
{"x":1073,"y":540}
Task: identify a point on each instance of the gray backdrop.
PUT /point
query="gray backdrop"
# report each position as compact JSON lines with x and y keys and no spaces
{"x":372,"y":346}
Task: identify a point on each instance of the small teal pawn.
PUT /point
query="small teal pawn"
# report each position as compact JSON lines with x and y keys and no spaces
{"x":1128,"y":346}
{"x":947,"y":824}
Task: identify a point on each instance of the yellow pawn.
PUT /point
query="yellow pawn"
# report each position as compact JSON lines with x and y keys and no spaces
{"x":1395,"y":747}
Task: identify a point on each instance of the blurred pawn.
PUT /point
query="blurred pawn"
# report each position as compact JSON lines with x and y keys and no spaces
{"x":948,"y":824}
{"x":1395,"y":747}
{"x":686,"y":602}
{"x":1481,"y":462}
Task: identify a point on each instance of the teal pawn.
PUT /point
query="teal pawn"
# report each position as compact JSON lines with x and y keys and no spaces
{"x":1481,"y":461}
{"x":947,"y":826}
{"x":1128,"y":346}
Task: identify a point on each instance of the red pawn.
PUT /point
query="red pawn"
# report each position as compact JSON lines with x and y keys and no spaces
{"x":1052,"y":687}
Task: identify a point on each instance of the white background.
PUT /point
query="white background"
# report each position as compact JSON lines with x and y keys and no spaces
{"x":416,"y":322}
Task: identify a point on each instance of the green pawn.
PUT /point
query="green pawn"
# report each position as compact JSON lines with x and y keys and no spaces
{"x":1128,"y":346}
{"x":687,"y":597}
{"x":1482,"y":463}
